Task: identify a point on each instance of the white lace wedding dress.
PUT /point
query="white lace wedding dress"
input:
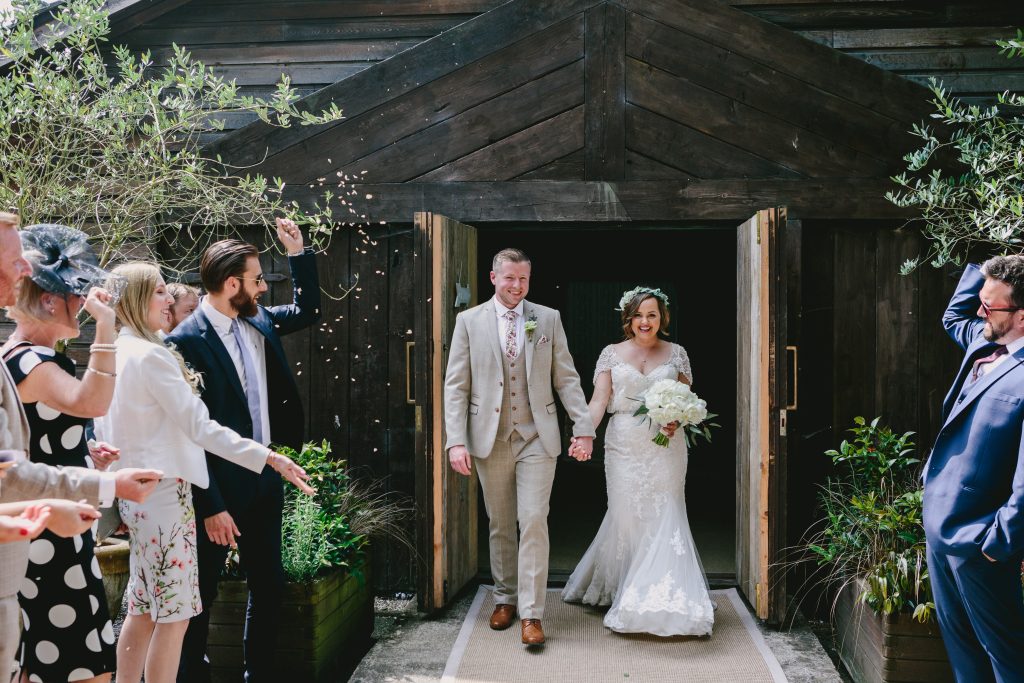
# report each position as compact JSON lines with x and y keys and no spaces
{"x":643,"y":561}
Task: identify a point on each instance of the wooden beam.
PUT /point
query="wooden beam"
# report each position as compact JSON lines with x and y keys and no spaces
{"x":605,"y":93}
{"x":622,"y":202}
{"x":781,"y":49}
{"x":441,"y":55}
{"x":323,"y":151}
{"x":126,"y":15}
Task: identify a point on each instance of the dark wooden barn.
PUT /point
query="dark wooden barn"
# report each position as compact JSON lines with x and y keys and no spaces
{"x":735,"y":154}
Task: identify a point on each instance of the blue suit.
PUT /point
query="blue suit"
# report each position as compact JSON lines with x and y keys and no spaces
{"x":973,"y":498}
{"x":254,"y":501}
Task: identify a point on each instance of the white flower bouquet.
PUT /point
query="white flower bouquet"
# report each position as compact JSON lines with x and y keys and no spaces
{"x":670,"y":402}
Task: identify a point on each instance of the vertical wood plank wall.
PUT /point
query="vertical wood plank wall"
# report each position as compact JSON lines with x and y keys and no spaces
{"x":871,"y":344}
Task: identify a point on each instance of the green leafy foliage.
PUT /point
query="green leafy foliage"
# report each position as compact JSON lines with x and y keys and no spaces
{"x":966,"y":178}
{"x":332,"y":529}
{"x":872,"y":528}
{"x":107,"y":141}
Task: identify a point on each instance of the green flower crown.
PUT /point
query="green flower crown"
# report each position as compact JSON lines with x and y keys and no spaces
{"x":631,"y":294}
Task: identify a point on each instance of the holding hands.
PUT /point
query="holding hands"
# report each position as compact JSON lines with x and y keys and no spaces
{"x":582,"y":448}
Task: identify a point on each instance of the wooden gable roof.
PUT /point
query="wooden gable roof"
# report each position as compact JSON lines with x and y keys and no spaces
{"x":673,"y":91}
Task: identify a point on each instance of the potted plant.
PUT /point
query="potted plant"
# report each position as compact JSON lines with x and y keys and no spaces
{"x":870,"y":548}
{"x":327,"y":610}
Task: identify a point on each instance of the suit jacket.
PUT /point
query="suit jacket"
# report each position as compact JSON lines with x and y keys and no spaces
{"x":473,"y":381}
{"x":157,"y":421}
{"x":974,"y":478}
{"x":31,"y":481}
{"x":232,"y":486}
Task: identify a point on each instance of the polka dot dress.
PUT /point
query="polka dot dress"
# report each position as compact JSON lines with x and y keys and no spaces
{"x":68,"y":635}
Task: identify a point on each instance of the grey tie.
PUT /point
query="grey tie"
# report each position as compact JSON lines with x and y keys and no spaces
{"x":252,"y":391}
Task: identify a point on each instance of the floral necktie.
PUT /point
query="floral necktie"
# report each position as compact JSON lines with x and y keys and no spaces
{"x":511,"y":347}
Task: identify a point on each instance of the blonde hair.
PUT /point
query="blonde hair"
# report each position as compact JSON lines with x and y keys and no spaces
{"x":140,"y":282}
{"x":11,"y":219}
{"x":180,"y":289}
{"x":29,"y":304}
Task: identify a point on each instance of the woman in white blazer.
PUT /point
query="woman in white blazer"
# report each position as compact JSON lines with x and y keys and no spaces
{"x":157,"y":418}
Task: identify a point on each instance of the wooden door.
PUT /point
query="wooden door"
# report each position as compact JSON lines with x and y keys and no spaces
{"x":445,"y":265}
{"x":761,"y":415}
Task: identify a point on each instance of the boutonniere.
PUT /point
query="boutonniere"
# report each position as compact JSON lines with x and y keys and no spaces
{"x":531,"y":325}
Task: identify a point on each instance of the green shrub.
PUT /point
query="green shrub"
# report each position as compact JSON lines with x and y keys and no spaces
{"x":872,"y":528}
{"x":333,"y":528}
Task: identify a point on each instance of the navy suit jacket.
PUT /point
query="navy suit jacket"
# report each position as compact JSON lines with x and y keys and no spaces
{"x":974,"y":478}
{"x":233,"y":487}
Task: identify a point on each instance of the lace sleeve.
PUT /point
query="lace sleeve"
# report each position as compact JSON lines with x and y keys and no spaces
{"x":682,"y":361}
{"x":605,"y":362}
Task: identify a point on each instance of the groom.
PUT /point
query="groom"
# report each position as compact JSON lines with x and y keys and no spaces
{"x":508,"y":358}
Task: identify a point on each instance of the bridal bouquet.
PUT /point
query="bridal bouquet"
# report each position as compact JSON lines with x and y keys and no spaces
{"x":669,"y":401}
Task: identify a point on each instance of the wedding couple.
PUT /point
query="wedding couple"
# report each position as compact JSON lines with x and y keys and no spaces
{"x":508,"y":358}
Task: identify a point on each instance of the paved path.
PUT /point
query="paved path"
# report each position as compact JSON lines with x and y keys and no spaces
{"x":411,"y":648}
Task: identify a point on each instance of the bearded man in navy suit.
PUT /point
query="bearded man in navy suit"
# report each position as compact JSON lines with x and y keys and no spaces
{"x":248,"y":386}
{"x":974,"y":480}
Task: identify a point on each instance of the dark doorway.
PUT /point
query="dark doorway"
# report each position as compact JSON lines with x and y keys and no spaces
{"x":583,"y":273}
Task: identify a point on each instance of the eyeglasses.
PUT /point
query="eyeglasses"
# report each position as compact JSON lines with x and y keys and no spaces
{"x":259,"y":279}
{"x":989,"y":310}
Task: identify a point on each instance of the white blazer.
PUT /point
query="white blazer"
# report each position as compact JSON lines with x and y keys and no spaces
{"x":157,"y":421}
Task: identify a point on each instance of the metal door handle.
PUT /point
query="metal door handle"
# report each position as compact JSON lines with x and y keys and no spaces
{"x":793,"y":353}
{"x":410,"y":396}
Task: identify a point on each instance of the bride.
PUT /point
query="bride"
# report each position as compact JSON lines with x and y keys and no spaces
{"x":643,"y":561}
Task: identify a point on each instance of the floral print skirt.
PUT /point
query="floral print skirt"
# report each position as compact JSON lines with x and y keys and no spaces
{"x":164,"y":579}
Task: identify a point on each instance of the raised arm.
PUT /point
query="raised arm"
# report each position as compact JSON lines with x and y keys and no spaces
{"x":91,"y":395}
{"x":304,"y":310}
{"x":961,"y":317}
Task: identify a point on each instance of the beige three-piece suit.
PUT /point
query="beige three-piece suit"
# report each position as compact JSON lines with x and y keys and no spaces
{"x":503,"y":410}
{"x":27,"y":481}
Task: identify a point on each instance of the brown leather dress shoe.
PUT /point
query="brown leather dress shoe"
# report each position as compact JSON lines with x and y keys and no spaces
{"x":533,"y":634}
{"x":502,"y":617}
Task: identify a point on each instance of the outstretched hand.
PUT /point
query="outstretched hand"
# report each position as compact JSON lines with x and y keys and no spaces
{"x":136,"y":484}
{"x":287,"y":468}
{"x":25,"y":526}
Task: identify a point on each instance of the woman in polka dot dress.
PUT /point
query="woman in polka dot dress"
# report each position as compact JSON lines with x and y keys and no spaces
{"x":67,"y":631}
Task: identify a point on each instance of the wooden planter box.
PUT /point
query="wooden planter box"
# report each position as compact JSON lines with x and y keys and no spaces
{"x":322,"y":623}
{"x":891,"y":648}
{"x":113,"y":556}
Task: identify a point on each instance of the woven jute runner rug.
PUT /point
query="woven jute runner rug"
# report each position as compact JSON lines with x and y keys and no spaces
{"x":580,"y":648}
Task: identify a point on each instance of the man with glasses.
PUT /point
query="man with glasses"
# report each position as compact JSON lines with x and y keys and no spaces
{"x":235,"y":344}
{"x":974,"y":479}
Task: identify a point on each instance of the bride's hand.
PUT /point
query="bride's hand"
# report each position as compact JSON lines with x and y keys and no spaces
{"x":287,"y":468}
{"x":669,"y":430}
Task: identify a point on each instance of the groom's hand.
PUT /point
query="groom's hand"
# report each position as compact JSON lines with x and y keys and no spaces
{"x":582,"y":447}
{"x":458,"y":456}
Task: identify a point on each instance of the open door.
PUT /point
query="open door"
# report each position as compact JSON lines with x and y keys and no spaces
{"x":445,"y":283}
{"x":761,"y":401}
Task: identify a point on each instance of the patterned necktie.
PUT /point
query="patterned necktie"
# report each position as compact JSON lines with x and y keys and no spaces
{"x":976,"y":371}
{"x":252,"y":390}
{"x":511,"y":348}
